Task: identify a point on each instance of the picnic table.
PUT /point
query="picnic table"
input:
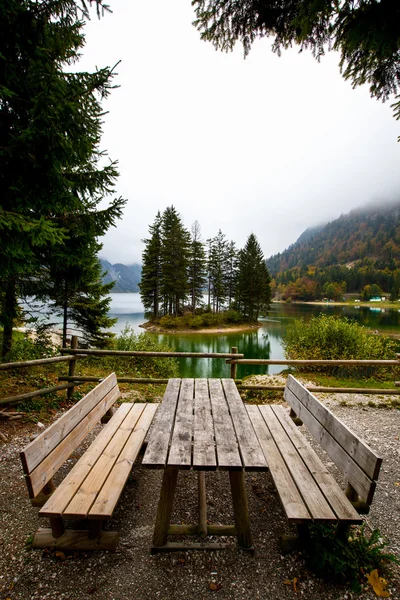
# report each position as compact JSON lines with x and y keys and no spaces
{"x":202,"y":424}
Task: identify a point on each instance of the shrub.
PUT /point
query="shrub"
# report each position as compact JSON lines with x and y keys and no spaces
{"x":138,"y":366}
{"x":31,"y":348}
{"x":333,"y":557}
{"x":233,"y":316}
{"x":168,"y":322}
{"x":196,"y":322}
{"x":330,"y":337}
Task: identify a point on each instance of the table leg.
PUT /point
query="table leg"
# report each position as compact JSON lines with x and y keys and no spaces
{"x":202,"y":504}
{"x":164,"y":509}
{"x":241,"y":510}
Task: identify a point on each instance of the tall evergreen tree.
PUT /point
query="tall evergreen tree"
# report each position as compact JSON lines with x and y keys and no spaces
{"x":75,"y":286}
{"x":253,"y":291}
{"x":151,"y":270}
{"x":217,"y":264}
{"x":174,"y":262}
{"x":50,"y":128}
{"x":231,"y":271}
{"x":197,"y":267}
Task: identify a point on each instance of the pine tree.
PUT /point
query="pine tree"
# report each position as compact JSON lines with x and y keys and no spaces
{"x":174,"y":262}
{"x":151,"y":270}
{"x":50,"y":128}
{"x":253,"y":291}
{"x":217,"y":264}
{"x":74,"y":278}
{"x":231,"y":271}
{"x":197,"y":267}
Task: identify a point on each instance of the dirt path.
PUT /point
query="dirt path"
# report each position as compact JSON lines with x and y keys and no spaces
{"x":133,"y":573}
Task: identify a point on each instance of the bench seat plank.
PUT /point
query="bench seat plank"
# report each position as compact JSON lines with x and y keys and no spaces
{"x":252,"y":455}
{"x":82,"y":501}
{"x":309,"y":490}
{"x":61,"y":497}
{"x":180,"y":453}
{"x":228,"y":456}
{"x":291,"y":499}
{"x":341,"y":506}
{"x":107,"y":499}
{"x":203,"y":435}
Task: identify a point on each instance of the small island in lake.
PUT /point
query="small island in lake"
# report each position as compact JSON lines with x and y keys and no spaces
{"x":227,"y":321}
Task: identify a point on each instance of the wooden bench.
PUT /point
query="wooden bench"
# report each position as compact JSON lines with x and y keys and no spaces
{"x":307,"y":490}
{"x":92,"y":488}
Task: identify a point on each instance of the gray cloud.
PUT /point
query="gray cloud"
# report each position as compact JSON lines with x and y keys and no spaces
{"x":266,"y":145}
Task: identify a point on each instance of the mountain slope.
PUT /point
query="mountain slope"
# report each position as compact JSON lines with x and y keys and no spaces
{"x":359,"y":253}
{"x":372,"y":233}
{"x":126,"y":277}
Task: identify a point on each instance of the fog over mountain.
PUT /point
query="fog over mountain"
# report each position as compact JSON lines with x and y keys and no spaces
{"x":126,"y":277}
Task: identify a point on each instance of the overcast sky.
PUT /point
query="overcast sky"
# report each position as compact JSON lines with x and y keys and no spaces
{"x":269,"y":145}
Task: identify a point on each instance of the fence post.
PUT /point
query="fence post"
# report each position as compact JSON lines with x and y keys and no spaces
{"x":234,"y":350}
{"x":72,"y":366}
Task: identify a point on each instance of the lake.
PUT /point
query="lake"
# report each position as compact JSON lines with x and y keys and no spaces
{"x":263,"y":342}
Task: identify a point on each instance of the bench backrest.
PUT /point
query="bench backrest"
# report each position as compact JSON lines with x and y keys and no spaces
{"x":358,"y":462}
{"x":42,"y":458}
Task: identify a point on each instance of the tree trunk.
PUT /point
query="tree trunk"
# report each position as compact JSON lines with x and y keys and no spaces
{"x":65,"y":318}
{"x":9,"y":315}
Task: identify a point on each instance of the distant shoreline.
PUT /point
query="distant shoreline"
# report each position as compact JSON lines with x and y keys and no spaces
{"x":351,"y":303}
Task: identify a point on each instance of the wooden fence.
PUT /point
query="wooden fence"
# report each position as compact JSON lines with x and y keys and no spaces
{"x":233,"y":358}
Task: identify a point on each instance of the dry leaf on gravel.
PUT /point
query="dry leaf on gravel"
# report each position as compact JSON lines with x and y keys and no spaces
{"x":378,"y":584}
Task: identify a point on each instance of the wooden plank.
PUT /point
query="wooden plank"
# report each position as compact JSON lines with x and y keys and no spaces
{"x":363,"y":485}
{"x":39,"y":448}
{"x":228,"y":456}
{"x":249,"y":447}
{"x":83,"y":500}
{"x":203,"y":435}
{"x":157,"y":449}
{"x":292,"y":502}
{"x":53,"y":461}
{"x":62,"y":496}
{"x":316,"y":504}
{"x":75,"y":539}
{"x":180,"y":453}
{"x":335,"y":496}
{"x":360,"y":452}
{"x":110,"y":493}
{"x":183,"y":546}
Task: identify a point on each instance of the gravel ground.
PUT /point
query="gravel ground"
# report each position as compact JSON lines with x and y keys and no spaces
{"x":132,"y":572}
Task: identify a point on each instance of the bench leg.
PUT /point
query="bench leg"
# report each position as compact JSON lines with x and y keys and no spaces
{"x":41,"y":499}
{"x":57,"y":526}
{"x":296,"y":420}
{"x":241,"y":509}
{"x":164,"y":509}
{"x":94,"y":528}
{"x":202,"y":504}
{"x":108,"y":415}
{"x":294,"y":543}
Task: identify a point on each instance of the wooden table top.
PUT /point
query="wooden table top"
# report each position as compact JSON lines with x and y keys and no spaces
{"x":203,"y":424}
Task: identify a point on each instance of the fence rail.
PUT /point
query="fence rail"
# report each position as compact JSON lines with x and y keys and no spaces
{"x":34,"y":363}
{"x":78,"y":352}
{"x":233,"y":358}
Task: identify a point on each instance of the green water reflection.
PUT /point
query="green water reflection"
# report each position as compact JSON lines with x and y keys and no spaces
{"x":265,"y":342}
